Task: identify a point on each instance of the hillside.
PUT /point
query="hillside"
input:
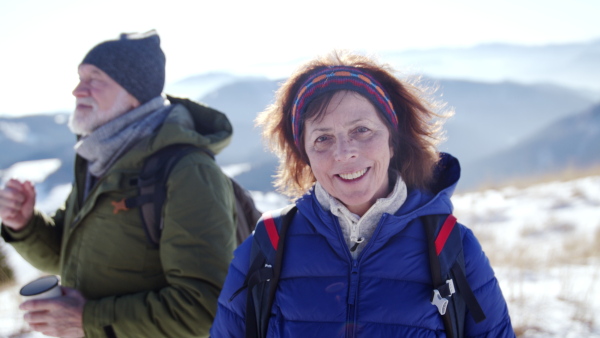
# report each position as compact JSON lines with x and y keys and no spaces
{"x":494,"y":116}
{"x":38,"y":137}
{"x":572,"y":142}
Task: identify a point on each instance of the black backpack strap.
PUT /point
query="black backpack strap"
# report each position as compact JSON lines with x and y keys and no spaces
{"x":467,"y":294}
{"x":152,"y":193}
{"x":452,"y":294}
{"x":152,"y":190}
{"x":265,"y":268}
{"x":441,"y":300}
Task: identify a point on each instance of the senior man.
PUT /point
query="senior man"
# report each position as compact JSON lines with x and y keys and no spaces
{"x":116,"y":283}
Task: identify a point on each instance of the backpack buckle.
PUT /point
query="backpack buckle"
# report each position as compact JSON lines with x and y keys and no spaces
{"x":440,"y":302}
{"x":440,"y":296}
{"x":268,"y":266}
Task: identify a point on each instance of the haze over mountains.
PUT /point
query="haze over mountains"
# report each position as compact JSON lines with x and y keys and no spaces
{"x":573,"y":65}
{"x":570,"y":143}
{"x":519,"y":111}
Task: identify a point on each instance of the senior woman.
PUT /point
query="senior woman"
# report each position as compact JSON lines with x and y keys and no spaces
{"x":357,"y":154}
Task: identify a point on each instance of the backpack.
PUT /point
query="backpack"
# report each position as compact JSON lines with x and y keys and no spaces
{"x":451,"y":295}
{"x":152,"y":190}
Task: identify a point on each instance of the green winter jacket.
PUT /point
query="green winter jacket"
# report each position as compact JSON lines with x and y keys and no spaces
{"x":100,"y":249}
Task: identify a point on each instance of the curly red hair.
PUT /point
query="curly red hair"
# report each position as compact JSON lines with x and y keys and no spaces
{"x":414,"y":141}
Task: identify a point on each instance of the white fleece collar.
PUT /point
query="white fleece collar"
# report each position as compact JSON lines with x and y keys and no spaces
{"x":358,"y":229}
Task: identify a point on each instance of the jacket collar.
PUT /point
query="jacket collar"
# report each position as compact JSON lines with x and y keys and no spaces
{"x":418,"y":203}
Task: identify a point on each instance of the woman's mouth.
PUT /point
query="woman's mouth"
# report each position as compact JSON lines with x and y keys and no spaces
{"x":354,"y":175}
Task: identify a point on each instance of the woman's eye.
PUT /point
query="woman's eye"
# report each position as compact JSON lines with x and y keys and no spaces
{"x":321,"y":139}
{"x":322,"y":143}
{"x":361,"y":132}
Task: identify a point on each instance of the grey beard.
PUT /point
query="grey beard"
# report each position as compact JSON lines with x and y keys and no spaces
{"x":105,"y":145}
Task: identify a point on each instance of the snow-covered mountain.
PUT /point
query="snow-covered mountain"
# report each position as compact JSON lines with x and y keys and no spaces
{"x":38,"y":137}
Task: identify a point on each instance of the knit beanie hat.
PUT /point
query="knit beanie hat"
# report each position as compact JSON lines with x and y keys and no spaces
{"x":135,"y":61}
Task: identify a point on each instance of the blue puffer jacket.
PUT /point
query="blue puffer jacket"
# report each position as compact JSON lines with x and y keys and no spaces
{"x":386,"y":292}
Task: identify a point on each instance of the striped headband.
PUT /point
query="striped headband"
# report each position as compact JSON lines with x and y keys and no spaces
{"x":340,"y":78}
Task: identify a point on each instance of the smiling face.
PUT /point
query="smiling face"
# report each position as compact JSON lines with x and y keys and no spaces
{"x":349,"y":151}
{"x":99,"y":99}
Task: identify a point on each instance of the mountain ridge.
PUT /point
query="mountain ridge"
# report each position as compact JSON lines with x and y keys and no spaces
{"x":498,"y":93}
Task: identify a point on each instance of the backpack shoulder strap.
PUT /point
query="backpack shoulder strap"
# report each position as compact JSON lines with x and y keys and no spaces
{"x":265,"y":268}
{"x":152,"y":190}
{"x":152,"y":193}
{"x":247,"y":213}
{"x":452,"y":294}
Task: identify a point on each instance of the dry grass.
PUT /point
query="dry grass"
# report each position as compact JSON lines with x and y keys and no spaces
{"x":579,"y":299}
{"x":596,"y":242}
{"x":568,"y":174}
{"x":579,"y":251}
{"x":524,"y":263}
{"x":549,"y":265}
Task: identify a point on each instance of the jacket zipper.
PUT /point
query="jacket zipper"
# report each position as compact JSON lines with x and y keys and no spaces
{"x":352,"y":294}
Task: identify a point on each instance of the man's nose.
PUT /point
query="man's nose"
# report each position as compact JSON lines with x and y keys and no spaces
{"x":81,"y":90}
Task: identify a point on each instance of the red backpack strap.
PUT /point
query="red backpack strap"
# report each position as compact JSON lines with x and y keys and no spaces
{"x":271,"y":229}
{"x":452,"y":294}
{"x":444,"y":233}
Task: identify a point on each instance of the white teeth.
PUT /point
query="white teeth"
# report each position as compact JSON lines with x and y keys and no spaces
{"x":353,"y":175}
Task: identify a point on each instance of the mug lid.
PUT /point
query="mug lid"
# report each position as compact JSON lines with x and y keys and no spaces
{"x":39,"y":285}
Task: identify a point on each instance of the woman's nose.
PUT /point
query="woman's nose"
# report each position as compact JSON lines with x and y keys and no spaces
{"x":345,"y":149}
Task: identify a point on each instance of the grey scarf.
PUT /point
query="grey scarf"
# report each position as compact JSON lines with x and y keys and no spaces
{"x":105,"y":145}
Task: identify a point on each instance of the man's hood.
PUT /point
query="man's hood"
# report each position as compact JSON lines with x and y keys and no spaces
{"x":190,"y":122}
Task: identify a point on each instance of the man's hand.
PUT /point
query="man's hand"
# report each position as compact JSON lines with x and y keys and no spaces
{"x":16,"y":204}
{"x":57,"y":317}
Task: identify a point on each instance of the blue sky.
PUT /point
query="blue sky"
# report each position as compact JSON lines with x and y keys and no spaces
{"x":44,"y":41}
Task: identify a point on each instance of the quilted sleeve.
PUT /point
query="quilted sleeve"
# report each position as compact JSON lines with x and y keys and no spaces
{"x":482,"y":280}
{"x":231,"y":313}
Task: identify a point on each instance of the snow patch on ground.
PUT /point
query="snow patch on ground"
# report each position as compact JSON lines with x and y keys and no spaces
{"x":543,"y":242}
{"x":35,"y":171}
{"x":15,"y":131}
